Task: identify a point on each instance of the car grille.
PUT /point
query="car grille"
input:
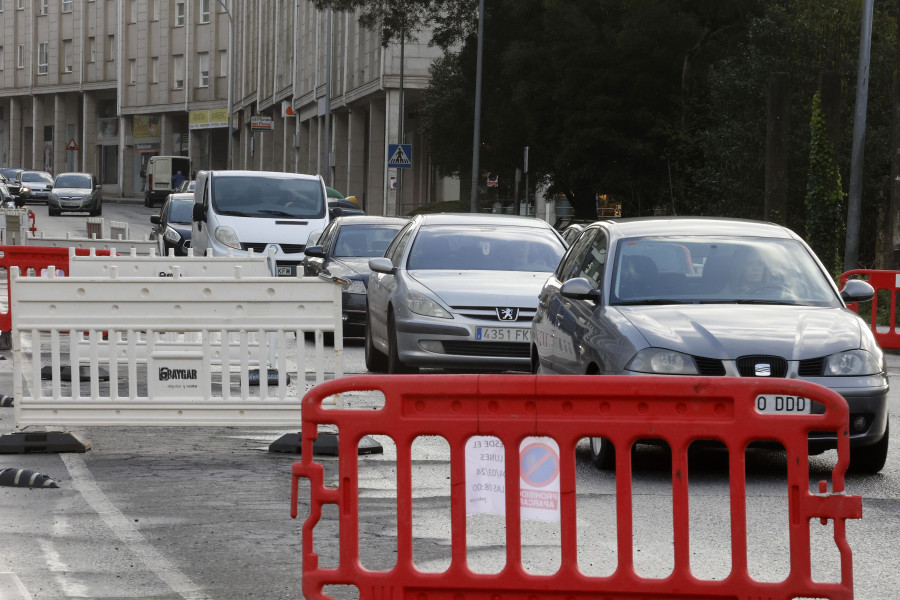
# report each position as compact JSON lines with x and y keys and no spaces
{"x":489,"y":313}
{"x":709,"y":367}
{"x":500,"y":349}
{"x":746,"y":365}
{"x":811,"y":367}
{"x":260,"y":248}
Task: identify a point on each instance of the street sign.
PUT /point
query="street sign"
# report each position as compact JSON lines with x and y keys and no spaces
{"x":399,"y":156}
{"x":72,"y":145}
{"x":493,"y":181}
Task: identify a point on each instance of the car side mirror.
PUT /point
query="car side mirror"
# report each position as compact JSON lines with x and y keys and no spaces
{"x":50,"y":187}
{"x":580,"y":288}
{"x":382,"y":265}
{"x":199,"y":213}
{"x":857,"y":290}
{"x":154,"y":219}
{"x":315,"y":251}
{"x":314,"y":237}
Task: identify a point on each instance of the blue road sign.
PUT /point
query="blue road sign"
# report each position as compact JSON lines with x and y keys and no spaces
{"x":399,"y":156}
{"x":539,"y":464}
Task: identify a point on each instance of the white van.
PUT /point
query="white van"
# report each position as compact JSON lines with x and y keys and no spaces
{"x":241,"y":210}
{"x":160,"y":170}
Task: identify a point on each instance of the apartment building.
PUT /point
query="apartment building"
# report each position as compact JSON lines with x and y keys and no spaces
{"x":103,"y":85}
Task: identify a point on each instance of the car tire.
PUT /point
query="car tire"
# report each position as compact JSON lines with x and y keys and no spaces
{"x":148,"y":202}
{"x":376,"y":361}
{"x":603,"y":454}
{"x":395,"y":365}
{"x":97,"y":211}
{"x":870,"y":459}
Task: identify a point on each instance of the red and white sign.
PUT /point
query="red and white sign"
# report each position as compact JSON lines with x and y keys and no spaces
{"x":72,"y":145}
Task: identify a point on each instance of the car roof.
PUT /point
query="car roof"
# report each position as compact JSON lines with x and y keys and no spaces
{"x":481,"y":219}
{"x":280,"y":174}
{"x":370,"y":220}
{"x":639,"y":226}
{"x":75,"y":173}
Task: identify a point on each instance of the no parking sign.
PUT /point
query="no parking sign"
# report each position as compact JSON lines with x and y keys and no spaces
{"x":538,"y":477}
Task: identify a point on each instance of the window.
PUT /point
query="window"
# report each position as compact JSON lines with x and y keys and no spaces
{"x":155,"y":10}
{"x":132,"y":71}
{"x":67,"y":6}
{"x":92,"y":49}
{"x":178,"y":71}
{"x":45,"y":5}
{"x":1,"y":5}
{"x":203,"y":63}
{"x":179,"y":13}
{"x":111,"y":47}
{"x":204,"y":11}
{"x":20,"y":56}
{"x":154,"y":69}
{"x":223,"y":63}
{"x":20,"y":4}
{"x":42,"y":58}
{"x":67,"y":56}
{"x":1,"y":51}
{"x":134,"y":11}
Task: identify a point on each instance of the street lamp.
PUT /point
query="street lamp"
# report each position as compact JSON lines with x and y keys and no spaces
{"x":230,"y":79}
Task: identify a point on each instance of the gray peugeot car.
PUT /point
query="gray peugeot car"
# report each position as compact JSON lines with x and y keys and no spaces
{"x":712,"y":297}
{"x":458,"y":291}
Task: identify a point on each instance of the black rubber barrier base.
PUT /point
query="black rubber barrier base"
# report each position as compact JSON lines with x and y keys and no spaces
{"x":25,"y":478}
{"x":6,"y":401}
{"x":65,"y":373}
{"x":324,"y":445}
{"x":44,"y":442}
{"x":271,"y":377}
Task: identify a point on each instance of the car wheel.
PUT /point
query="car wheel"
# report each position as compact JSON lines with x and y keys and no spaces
{"x":376,"y":361}
{"x":603,"y":454}
{"x":148,"y":202}
{"x":870,"y":459}
{"x":395,"y":365}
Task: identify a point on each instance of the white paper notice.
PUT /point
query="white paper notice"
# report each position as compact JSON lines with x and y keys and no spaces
{"x":538,"y":483}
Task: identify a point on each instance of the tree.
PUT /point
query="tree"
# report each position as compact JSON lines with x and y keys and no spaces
{"x":825,"y":198}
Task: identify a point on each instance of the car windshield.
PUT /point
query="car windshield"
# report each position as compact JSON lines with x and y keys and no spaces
{"x":267,"y":196}
{"x":364,"y":240}
{"x":705,"y":269}
{"x":73,"y":181}
{"x":42,"y":177}
{"x":485,"y":248}
{"x":181,"y":211}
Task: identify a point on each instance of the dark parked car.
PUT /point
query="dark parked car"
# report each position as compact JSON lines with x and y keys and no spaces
{"x":33,"y":186}
{"x":11,"y":173}
{"x":719,"y":298}
{"x":75,"y":192}
{"x":344,"y":250}
{"x":172,"y":226}
{"x":345,"y":208}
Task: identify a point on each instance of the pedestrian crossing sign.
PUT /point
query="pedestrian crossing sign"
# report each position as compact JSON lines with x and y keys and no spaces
{"x":399,"y":156}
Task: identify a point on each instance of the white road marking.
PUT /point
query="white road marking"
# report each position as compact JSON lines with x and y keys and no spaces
{"x":62,"y":573}
{"x":125,"y":530}
{"x":12,"y":588}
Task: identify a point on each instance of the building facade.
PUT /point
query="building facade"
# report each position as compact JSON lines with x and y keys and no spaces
{"x":103,"y":85}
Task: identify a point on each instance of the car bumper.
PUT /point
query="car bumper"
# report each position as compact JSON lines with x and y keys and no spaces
{"x":353,"y":312}
{"x":72,"y":204}
{"x":454,"y":344}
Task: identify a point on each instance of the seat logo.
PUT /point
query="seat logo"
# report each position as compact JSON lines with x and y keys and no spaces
{"x":507,"y":314}
{"x":762,"y":370}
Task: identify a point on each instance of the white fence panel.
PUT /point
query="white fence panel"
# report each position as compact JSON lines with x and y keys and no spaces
{"x":67,"y":374}
{"x":145,"y":246}
{"x":14,"y":226}
{"x":135,"y":265}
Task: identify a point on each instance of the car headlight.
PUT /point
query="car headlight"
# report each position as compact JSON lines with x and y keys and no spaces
{"x":854,"y":362}
{"x":423,"y":305}
{"x":356,"y":286}
{"x":24,"y":190}
{"x":171,"y":236}
{"x":227,"y":236}
{"x":659,"y":361}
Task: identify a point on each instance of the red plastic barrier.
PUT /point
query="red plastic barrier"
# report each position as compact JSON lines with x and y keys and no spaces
{"x":880,"y":280}
{"x":678,"y":410}
{"x":36,"y":258}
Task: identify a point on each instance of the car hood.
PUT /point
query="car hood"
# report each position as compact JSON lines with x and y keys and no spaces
{"x":71,"y":191}
{"x":350,"y":267}
{"x":484,"y":288}
{"x":730,"y":331}
{"x":37,"y":185}
{"x":184,"y":229}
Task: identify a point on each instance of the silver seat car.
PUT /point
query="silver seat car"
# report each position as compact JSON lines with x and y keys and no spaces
{"x":713,"y":297}
{"x":458,"y":291}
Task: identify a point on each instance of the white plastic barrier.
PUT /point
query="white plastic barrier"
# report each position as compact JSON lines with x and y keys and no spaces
{"x":14,"y":226}
{"x":192,"y":384}
{"x":135,"y":265}
{"x":145,"y":247}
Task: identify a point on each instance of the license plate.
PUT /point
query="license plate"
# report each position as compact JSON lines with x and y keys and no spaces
{"x":776,"y":404}
{"x":502,"y":334}
{"x":286,"y":270}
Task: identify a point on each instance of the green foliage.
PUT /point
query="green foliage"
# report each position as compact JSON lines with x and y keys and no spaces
{"x":825,"y":206}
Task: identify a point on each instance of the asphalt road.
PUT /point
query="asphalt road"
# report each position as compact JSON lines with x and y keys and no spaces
{"x":191,"y":513}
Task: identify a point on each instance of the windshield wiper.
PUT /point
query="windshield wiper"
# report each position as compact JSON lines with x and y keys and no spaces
{"x":278,"y":213}
{"x":232,"y":213}
{"x":747,"y":301}
{"x":651,"y":301}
